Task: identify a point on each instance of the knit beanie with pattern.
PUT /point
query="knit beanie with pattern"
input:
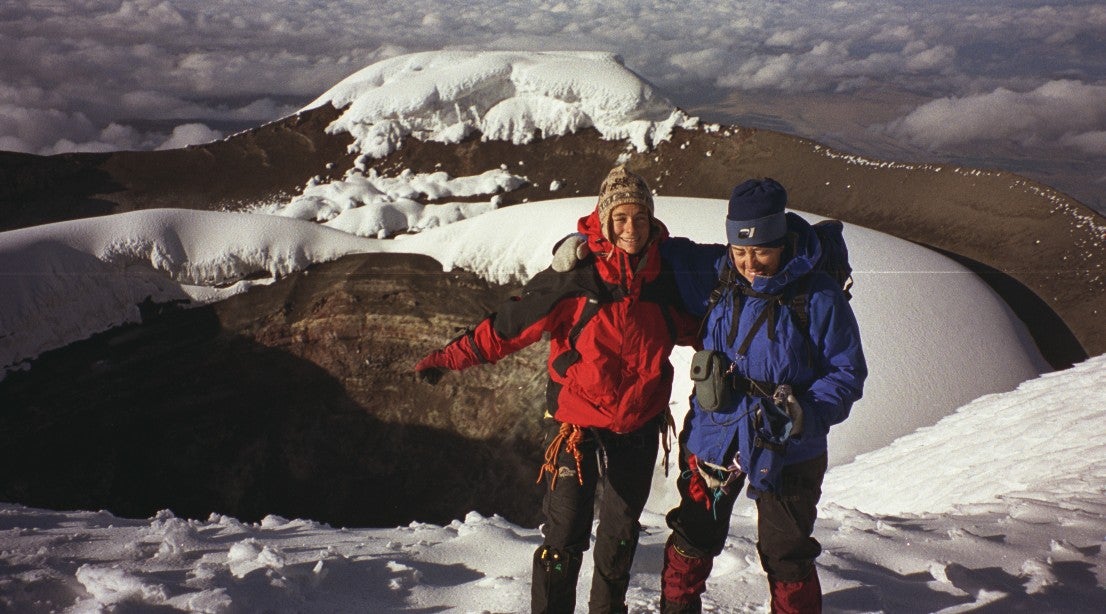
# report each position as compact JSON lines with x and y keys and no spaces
{"x":621,"y":187}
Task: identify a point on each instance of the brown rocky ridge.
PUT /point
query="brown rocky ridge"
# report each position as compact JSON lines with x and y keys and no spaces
{"x":294,"y":399}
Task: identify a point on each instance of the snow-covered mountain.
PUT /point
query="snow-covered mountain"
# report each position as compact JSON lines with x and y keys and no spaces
{"x":990,"y":497}
{"x":554,"y":121}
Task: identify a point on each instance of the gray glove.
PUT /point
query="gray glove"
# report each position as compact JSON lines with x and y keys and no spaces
{"x":569,"y":251}
{"x":784,"y":398}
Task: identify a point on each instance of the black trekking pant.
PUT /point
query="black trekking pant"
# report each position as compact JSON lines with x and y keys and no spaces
{"x":785,"y":521}
{"x":618,"y":471}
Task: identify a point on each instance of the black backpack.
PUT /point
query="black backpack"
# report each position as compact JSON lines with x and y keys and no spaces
{"x":835,"y":254}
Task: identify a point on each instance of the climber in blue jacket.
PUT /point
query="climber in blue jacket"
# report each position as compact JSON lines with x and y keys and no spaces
{"x":786,"y":342}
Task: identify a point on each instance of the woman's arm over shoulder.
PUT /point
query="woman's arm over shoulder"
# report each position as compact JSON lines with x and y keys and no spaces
{"x":696,"y":269}
{"x":839,"y":357}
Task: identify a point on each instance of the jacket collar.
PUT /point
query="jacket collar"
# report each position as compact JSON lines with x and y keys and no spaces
{"x":805,"y":252}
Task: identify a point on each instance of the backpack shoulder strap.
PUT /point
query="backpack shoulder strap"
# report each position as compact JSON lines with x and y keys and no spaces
{"x":599,"y":292}
{"x":665,"y":293}
{"x":541,"y":294}
{"x":726,"y":282}
{"x":591,"y":308}
{"x":799,"y":302}
{"x":596,"y":293}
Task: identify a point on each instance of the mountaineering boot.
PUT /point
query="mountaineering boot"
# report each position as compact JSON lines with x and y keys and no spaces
{"x":553,"y":589}
{"x":802,"y":597}
{"x":683,"y":580}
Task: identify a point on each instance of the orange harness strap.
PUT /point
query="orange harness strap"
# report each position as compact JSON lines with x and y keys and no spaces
{"x":569,"y":436}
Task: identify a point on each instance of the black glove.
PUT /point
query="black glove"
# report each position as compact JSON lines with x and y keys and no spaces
{"x":430,"y":375}
{"x":773,"y":423}
{"x":784,"y":398}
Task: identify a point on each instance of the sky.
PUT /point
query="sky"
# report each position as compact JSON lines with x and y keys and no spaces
{"x":1015,"y":84}
{"x":966,"y":477}
{"x":990,"y":495}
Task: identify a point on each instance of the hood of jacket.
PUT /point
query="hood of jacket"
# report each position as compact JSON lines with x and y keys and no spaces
{"x":805,"y":250}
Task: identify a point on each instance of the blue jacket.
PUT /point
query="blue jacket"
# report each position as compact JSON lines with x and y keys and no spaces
{"x":825,"y":366}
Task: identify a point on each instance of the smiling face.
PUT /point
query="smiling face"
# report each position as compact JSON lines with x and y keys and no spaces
{"x":753,"y":260}
{"x":629,"y":227}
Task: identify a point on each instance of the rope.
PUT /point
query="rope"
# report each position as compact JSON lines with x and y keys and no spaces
{"x":570,"y":437}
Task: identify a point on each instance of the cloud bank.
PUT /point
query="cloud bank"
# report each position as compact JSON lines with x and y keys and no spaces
{"x":1067,"y":112}
{"x":93,"y":75}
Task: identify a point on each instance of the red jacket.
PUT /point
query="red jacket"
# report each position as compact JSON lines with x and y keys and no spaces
{"x":615,"y":374}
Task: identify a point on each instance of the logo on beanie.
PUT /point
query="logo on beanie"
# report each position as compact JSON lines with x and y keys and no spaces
{"x":747,"y":233}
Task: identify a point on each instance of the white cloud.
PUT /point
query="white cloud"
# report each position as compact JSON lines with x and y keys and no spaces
{"x":826,"y":65}
{"x":190,"y":134}
{"x":894,"y":33}
{"x":788,"y":38}
{"x":37,"y":129}
{"x":1093,"y":142}
{"x":264,"y":108}
{"x":703,"y":63}
{"x":432,"y":20}
{"x":114,"y":137}
{"x":156,"y":104}
{"x":146,"y":14}
{"x":933,"y":58}
{"x":125,"y":137}
{"x":1056,"y":112}
{"x":762,"y":71}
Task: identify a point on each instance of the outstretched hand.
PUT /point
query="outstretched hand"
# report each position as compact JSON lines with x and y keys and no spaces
{"x":569,"y":251}
{"x":432,"y":368}
{"x":430,"y":375}
{"x":457,"y":355}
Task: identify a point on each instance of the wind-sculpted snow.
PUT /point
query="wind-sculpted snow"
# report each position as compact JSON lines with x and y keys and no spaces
{"x":1050,"y":424}
{"x":447,"y":96}
{"x":66,"y":281}
{"x":370,"y":205}
{"x":63,"y":282}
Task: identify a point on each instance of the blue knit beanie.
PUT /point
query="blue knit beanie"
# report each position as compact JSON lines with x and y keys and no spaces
{"x":756,"y":216}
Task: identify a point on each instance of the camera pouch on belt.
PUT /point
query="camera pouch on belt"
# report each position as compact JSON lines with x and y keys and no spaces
{"x":713,"y":385}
